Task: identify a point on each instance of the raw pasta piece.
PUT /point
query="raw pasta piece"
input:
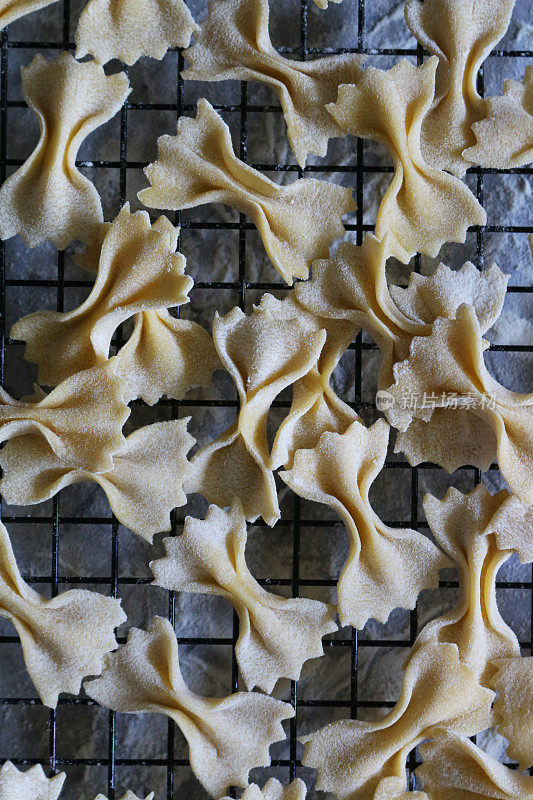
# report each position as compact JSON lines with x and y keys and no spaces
{"x":324,"y":3}
{"x":234,"y":43}
{"x":273,"y":790}
{"x":447,"y":369}
{"x":464,"y":526}
{"x":48,"y":198}
{"x":30,"y":785}
{"x":513,"y":681}
{"x":423,"y":207}
{"x":263,"y":355}
{"x":315,"y":407}
{"x":64,"y":638}
{"x":166,"y":356}
{"x":353,"y":757}
{"x":197,"y":166}
{"x":138,"y":270}
{"x":504,"y":137}
{"x":227,"y":736}
{"x":387,"y":567}
{"x":276,"y":635}
{"x":352,"y":286}
{"x":144,"y":485}
{"x":394,"y":789}
{"x":10,"y":11}
{"x":461,"y":33}
{"x":128,"y":796}
{"x":455,"y":768}
{"x":129,"y":29}
{"x":81,"y":419}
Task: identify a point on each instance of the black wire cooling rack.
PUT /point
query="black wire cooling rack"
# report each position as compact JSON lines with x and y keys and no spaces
{"x":290,"y":766}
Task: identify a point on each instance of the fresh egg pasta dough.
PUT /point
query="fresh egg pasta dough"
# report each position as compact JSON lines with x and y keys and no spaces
{"x":513,"y":680}
{"x":273,"y":790}
{"x":10,"y":10}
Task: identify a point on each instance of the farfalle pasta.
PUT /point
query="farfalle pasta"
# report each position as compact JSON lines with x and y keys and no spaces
{"x":234,"y":43}
{"x":64,"y":638}
{"x":513,"y":708}
{"x":386,"y":567}
{"x":227,"y":736}
{"x":423,"y":207}
{"x":48,"y":198}
{"x":464,"y":526}
{"x":276,"y":635}
{"x":263,"y":355}
{"x":504,"y":137}
{"x":273,"y":790}
{"x":315,"y":407}
{"x":143,"y":486}
{"x":355,"y":757}
{"x":138,"y":270}
{"x":455,"y":768}
{"x":129,"y":29}
{"x":81,"y":419}
{"x":10,"y":11}
{"x":30,"y":785}
{"x":197,"y":166}
{"x":447,"y":369}
{"x":461,"y":33}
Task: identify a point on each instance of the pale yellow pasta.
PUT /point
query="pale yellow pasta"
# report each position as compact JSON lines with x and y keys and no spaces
{"x":81,"y":419}
{"x":63,"y":638}
{"x":447,"y":369}
{"x":296,"y":222}
{"x":276,"y":635}
{"x":455,"y":768}
{"x":423,"y":207}
{"x":386,"y":567}
{"x":354,"y":757}
{"x":513,"y":681}
{"x":30,"y":785}
{"x":143,"y":486}
{"x":263,"y":355}
{"x":464,"y":526}
{"x":504,"y":136}
{"x":273,"y":790}
{"x":128,"y":796}
{"x":461,"y":33}
{"x":315,"y":408}
{"x":138,"y":270}
{"x":227,"y":736}
{"x":10,"y":10}
{"x":129,"y":29}
{"x":234,"y":43}
{"x":48,"y":198}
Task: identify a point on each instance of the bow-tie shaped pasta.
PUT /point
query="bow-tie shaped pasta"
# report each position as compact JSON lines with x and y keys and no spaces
{"x":277,"y":635}
{"x":455,"y":768}
{"x":387,"y":567}
{"x":352,"y":286}
{"x":465,"y":527}
{"x":315,"y":408}
{"x":144,"y":485}
{"x":504,"y":137}
{"x":63,"y":638}
{"x":354,"y":757}
{"x":48,"y":198}
{"x":263,"y":355}
{"x":296,"y":222}
{"x":81,"y":419}
{"x":234,"y":43}
{"x":138,"y":270}
{"x":447,"y":369}
{"x":10,"y":11}
{"x":129,"y":29}
{"x":423,"y":207}
{"x":461,"y":33}
{"x":30,"y":785}
{"x":273,"y":790}
{"x":513,"y":707}
{"x":227,"y":736}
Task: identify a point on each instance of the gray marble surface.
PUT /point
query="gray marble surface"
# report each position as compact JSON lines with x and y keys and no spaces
{"x":213,"y":256}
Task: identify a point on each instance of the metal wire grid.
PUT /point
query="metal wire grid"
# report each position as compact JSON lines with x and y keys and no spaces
{"x":54,"y":763}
